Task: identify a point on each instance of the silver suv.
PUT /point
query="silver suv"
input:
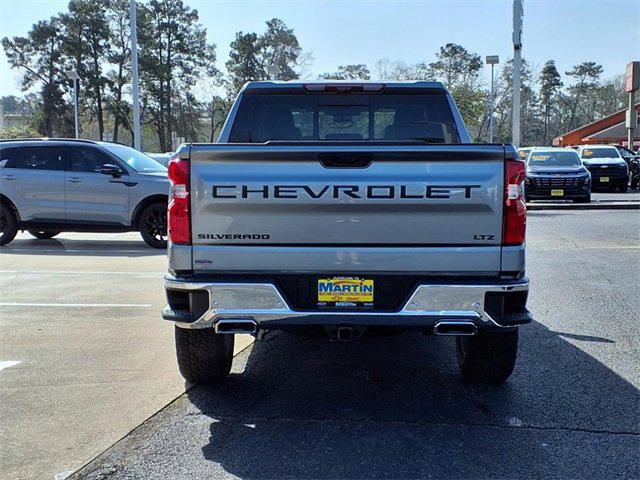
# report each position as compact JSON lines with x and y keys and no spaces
{"x":48,"y":186}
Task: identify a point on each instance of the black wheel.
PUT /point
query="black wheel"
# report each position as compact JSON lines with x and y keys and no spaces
{"x":634,"y":182}
{"x":488,"y":357}
{"x":203,"y":355}
{"x":153,"y":225}
{"x":623,"y":188}
{"x":8,"y":224}
{"x":43,"y":234}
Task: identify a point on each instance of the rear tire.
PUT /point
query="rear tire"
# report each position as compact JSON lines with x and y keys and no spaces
{"x":634,"y":182}
{"x":8,"y":224}
{"x":203,"y":355}
{"x":488,"y":357}
{"x":43,"y":234}
{"x":153,"y":225}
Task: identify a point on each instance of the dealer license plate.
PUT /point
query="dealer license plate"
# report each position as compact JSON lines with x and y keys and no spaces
{"x":604,"y":179}
{"x":557,"y":193}
{"x":345,"y":292}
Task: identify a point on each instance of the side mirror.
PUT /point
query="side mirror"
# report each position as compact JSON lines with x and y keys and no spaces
{"x":111,"y":169}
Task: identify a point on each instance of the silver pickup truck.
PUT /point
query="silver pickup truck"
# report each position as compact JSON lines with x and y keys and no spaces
{"x":346,"y":210}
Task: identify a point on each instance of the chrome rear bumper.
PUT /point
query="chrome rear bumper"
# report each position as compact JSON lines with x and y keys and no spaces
{"x":263,"y":304}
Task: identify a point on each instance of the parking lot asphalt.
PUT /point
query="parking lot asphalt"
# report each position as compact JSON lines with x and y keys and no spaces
{"x":396,"y":407}
{"x":84,"y":354}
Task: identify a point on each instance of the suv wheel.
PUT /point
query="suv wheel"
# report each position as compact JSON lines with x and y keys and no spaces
{"x":153,"y":225}
{"x":8,"y":224}
{"x":203,"y":355}
{"x":623,"y":188}
{"x":488,"y":357}
{"x":44,"y":234}
{"x":585,"y":199}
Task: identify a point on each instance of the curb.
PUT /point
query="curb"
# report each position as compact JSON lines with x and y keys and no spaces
{"x":585,"y":206}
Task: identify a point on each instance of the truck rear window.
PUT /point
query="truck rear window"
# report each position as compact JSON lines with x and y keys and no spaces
{"x":360,"y":117}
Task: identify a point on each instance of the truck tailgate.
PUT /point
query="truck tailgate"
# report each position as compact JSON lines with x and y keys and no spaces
{"x":379,"y":202}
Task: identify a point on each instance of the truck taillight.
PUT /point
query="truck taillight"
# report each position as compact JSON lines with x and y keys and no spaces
{"x":515,"y":210}
{"x":178,"y":215}
{"x":344,"y":87}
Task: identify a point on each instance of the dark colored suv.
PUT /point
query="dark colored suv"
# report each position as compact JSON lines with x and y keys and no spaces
{"x":557,"y":174}
{"x":633,"y":161}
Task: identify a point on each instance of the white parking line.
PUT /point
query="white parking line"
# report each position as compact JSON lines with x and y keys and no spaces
{"x":81,"y":305}
{"x":80,"y":272}
{"x":8,"y":363}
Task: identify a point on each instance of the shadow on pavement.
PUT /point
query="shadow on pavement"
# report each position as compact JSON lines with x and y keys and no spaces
{"x":98,"y":248}
{"x":396,"y":408}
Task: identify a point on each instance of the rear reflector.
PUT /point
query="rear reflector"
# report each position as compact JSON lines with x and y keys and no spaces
{"x":178,"y":215}
{"x":515,"y":210}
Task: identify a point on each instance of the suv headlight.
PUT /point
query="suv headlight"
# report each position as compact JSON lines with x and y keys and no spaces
{"x":584,"y":178}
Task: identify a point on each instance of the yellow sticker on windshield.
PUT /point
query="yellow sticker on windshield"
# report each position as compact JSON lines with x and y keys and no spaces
{"x":540,"y":158}
{"x":587,"y":153}
{"x":523,"y":154}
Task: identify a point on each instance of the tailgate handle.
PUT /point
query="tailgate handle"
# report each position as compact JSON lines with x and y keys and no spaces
{"x":345,"y":160}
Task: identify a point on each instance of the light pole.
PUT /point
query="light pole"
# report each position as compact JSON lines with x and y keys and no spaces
{"x":75,"y":78}
{"x":137,"y":141}
{"x":492,"y":60}
{"x":518,"y":12}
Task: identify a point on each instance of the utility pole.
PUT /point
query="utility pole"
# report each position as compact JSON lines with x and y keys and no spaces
{"x":137,"y":140}
{"x":492,"y":60}
{"x":75,"y":78}
{"x":518,"y":12}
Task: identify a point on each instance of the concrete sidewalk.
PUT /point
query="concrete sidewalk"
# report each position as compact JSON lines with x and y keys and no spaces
{"x":599,"y":201}
{"x":584,"y":206}
{"x":84,"y":355}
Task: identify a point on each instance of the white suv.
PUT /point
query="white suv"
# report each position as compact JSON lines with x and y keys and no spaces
{"x":49,"y":186}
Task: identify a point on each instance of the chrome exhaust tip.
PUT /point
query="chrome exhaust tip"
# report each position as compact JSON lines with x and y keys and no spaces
{"x":236,"y":325}
{"x":455,"y":328}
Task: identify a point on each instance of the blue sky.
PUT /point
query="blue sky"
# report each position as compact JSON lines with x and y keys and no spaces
{"x":350,"y":31}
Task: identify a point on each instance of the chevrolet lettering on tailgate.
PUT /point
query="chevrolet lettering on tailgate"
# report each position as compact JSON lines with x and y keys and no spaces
{"x":370,"y":192}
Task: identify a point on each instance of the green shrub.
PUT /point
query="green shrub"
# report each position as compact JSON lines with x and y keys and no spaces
{"x":18,"y":131}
